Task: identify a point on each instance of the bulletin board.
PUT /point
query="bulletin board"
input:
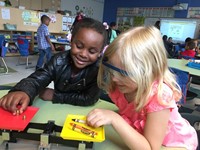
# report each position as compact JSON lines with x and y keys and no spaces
{"x":28,"y":20}
{"x":138,"y":16}
{"x":194,"y":12}
{"x":146,"y":11}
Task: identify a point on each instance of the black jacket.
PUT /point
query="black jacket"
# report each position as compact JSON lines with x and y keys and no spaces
{"x":81,"y":90}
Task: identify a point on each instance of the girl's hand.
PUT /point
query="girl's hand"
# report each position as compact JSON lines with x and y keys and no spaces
{"x":99,"y":117}
{"x":14,"y":101}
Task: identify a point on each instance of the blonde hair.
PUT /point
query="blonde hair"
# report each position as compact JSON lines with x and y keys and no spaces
{"x":142,"y":53}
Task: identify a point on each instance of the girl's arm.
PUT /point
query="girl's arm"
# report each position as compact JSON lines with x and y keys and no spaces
{"x":154,"y":131}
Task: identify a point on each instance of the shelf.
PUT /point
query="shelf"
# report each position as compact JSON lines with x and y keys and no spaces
{"x":12,"y":36}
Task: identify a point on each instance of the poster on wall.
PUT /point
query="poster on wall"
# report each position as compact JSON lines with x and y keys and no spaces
{"x":5,"y":13}
{"x":67,"y":22}
{"x":136,"y":16}
{"x":51,"y":16}
{"x":146,"y":11}
{"x":30,"y":18}
{"x":124,"y":23}
{"x":194,"y":12}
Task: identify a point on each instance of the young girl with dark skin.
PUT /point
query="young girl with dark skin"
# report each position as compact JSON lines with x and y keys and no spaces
{"x":73,"y":72}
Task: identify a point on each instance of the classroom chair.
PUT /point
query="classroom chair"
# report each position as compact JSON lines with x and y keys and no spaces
{"x":3,"y":50}
{"x":175,"y":51}
{"x":23,"y":46}
{"x":183,"y":79}
{"x":185,"y":57}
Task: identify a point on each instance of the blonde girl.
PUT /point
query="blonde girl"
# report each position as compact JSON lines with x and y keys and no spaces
{"x":134,"y":71}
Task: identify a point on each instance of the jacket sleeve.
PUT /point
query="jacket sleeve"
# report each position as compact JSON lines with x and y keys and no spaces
{"x":36,"y":82}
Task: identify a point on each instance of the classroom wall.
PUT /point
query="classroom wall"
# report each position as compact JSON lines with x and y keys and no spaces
{"x":91,"y":8}
{"x":110,"y":6}
{"x":27,"y":20}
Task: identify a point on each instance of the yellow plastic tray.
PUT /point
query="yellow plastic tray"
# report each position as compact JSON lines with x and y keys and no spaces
{"x":73,"y":130}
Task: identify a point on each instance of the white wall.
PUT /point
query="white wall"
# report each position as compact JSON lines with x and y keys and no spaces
{"x":92,"y":8}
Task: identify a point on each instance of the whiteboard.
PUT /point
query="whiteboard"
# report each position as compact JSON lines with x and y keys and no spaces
{"x":151,"y":21}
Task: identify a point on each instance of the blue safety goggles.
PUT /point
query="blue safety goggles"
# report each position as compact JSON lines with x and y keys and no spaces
{"x":123,"y":72}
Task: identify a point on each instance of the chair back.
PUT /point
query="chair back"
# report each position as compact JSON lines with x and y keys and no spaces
{"x":2,"y":39}
{"x":182,"y":78}
{"x":175,"y":51}
{"x":186,"y":57}
{"x":3,"y":49}
{"x":23,"y":45}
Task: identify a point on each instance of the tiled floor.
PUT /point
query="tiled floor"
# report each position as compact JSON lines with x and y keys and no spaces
{"x":21,"y":73}
{"x":21,"y":69}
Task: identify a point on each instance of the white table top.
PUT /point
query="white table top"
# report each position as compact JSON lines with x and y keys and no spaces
{"x":181,"y":64}
{"x":61,"y":43}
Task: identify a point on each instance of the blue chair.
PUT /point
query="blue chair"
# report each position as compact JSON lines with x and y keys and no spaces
{"x":23,"y":46}
{"x":3,"y":50}
{"x":175,"y":51}
{"x":185,"y":57}
{"x":183,"y":79}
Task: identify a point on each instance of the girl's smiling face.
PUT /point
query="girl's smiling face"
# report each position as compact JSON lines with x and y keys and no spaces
{"x":86,"y":47}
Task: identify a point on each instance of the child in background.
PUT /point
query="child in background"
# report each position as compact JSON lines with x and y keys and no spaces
{"x":190,"y":49}
{"x":43,"y":40}
{"x":80,"y":15}
{"x":170,"y":40}
{"x":113,"y":31}
{"x":134,"y":71}
{"x":196,"y":41}
{"x":73,"y":72}
{"x":168,"y":46}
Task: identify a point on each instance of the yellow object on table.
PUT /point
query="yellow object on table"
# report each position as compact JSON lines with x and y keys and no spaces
{"x":79,"y":130}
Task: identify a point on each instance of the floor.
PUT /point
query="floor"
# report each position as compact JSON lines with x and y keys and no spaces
{"x":21,"y":73}
{"x":21,"y":69}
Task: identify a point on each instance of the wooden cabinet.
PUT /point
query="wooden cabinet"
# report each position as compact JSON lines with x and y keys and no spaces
{"x":51,"y":4}
{"x":25,"y":3}
{"x":15,"y":3}
{"x":46,"y":4}
{"x":36,"y":4}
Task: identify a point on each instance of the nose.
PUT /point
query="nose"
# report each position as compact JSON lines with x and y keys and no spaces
{"x":84,"y":53}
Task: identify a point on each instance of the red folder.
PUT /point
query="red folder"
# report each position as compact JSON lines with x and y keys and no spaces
{"x":9,"y":121}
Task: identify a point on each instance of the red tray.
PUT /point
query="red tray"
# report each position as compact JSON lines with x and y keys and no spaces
{"x":10,"y":122}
